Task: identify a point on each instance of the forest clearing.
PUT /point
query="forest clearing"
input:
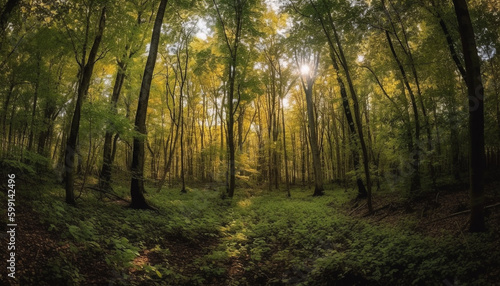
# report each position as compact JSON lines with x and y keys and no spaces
{"x":250,"y":142}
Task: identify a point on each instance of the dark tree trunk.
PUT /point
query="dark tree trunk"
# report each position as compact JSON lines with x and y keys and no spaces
{"x":137,"y":168}
{"x":362,"y":191}
{"x":475,"y":92}
{"x":359,"y":124}
{"x":105,"y":174}
{"x":83,"y":87}
{"x":450,"y":43}
{"x":33,"y":110}
{"x":6,"y":11}
{"x":5,"y":111}
{"x":241,"y":118}
{"x":231,"y":106}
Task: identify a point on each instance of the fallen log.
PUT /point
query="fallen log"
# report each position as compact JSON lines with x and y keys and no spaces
{"x":463,"y":212}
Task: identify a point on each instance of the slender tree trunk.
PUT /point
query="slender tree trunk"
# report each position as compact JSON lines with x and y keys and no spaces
{"x":231,"y":107}
{"x":5,"y":111}
{"x":83,"y":87}
{"x":202,"y":139}
{"x":137,"y":168}
{"x":105,"y":174}
{"x":362,"y":191}
{"x":313,"y":137}
{"x":183,"y":179}
{"x":287,"y":179}
{"x":415,"y":184}
{"x":241,"y":118}
{"x":475,"y":93}
{"x":35,"y":100}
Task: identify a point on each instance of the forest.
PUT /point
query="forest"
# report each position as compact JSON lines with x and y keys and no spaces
{"x":250,"y":142}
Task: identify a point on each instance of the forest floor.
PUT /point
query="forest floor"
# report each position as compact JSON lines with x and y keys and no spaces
{"x":257,"y":238}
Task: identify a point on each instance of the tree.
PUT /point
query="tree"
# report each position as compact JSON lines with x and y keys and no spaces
{"x":137,"y":168}
{"x":309,"y":69}
{"x":235,"y":22}
{"x":323,"y":11}
{"x":85,"y":73}
{"x":475,"y":92}
{"x":123,"y":59}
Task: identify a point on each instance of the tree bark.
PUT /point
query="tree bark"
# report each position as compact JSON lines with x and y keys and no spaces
{"x":313,"y":137}
{"x":362,"y":191}
{"x":105,"y":174}
{"x":231,"y":107}
{"x":475,"y":93}
{"x":83,"y":87}
{"x":35,"y":100}
{"x":137,"y":168}
{"x":287,"y":179}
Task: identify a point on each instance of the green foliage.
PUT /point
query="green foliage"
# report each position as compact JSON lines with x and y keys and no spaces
{"x":213,"y":264}
{"x":62,"y":271}
{"x":304,"y":240}
{"x":301,"y":240}
{"x":17,"y":167}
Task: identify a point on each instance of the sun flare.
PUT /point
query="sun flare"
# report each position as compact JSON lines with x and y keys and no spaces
{"x":304,"y":69}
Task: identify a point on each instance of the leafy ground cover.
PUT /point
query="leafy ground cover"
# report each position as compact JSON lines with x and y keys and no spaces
{"x":258,"y":238}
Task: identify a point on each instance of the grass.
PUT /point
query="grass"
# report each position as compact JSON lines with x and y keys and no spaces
{"x":257,"y":238}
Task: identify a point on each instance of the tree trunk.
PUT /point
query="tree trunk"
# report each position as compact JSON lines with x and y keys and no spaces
{"x":313,"y":137}
{"x":362,"y":191}
{"x":475,"y":92}
{"x":35,"y":99}
{"x":83,"y":87}
{"x":231,"y":108}
{"x":415,"y":178}
{"x":287,"y":179}
{"x":137,"y":168}
{"x":105,"y":174}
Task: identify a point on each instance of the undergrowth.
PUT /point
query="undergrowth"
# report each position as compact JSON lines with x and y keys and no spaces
{"x":260,"y":238}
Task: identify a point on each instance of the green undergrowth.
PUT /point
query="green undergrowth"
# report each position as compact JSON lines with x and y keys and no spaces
{"x":258,"y":238}
{"x":307,"y":241}
{"x":121,"y":234}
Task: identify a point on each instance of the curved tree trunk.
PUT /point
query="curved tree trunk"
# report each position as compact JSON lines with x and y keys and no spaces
{"x":137,"y":168}
{"x":83,"y":87}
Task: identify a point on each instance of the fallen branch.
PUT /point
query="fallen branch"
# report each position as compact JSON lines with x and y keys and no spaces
{"x":360,"y":206}
{"x":381,"y":218}
{"x":381,"y":208}
{"x":107,"y":193}
{"x":463,"y":212}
